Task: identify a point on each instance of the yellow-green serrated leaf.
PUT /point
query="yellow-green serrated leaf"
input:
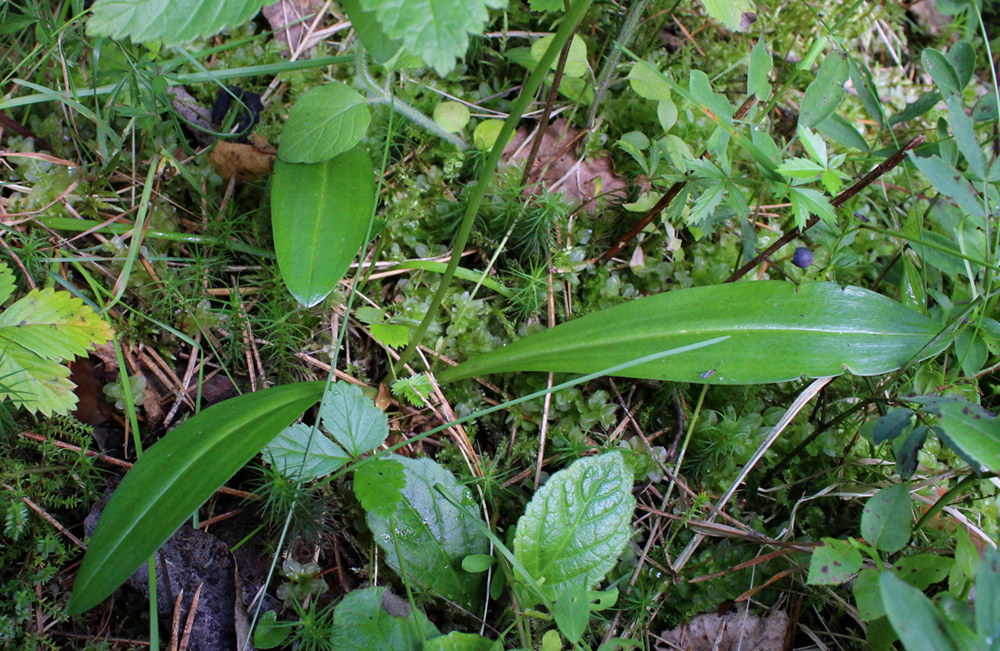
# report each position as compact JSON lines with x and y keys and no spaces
{"x":173,"y":21}
{"x":437,"y":30}
{"x":394,"y":336}
{"x":38,"y":385}
{"x":54,"y":325}
{"x":6,"y":282}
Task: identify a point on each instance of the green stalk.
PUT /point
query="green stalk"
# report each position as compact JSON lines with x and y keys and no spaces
{"x":573,"y":18}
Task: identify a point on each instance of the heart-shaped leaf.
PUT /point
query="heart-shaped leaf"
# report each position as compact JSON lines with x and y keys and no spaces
{"x":320,"y":215}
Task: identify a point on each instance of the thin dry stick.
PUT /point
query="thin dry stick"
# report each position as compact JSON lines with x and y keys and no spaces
{"x":190,"y":618}
{"x":548,"y":396}
{"x":837,"y":201}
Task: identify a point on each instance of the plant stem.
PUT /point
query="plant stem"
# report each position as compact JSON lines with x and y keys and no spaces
{"x":624,"y":38}
{"x":573,"y":18}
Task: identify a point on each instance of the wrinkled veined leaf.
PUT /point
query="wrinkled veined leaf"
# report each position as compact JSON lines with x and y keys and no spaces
{"x":825,"y":93}
{"x":174,"y":22}
{"x":775,"y":334}
{"x":320,"y":214}
{"x":374,"y":619}
{"x":576,"y":525}
{"x":436,"y":30}
{"x":378,"y":485}
{"x":175,"y":477}
{"x":833,"y":562}
{"x":37,"y":334}
{"x":917,"y":622}
{"x":353,"y":419}
{"x":365,"y":24}
{"x":287,"y":452}
{"x":432,"y":534}
{"x":324,"y":122}
{"x":456,"y":641}
{"x":886,"y":521}
{"x":736,"y":15}
{"x":974,"y":433}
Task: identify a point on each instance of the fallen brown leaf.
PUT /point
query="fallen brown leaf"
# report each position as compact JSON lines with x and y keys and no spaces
{"x":244,"y":161}
{"x":734,"y":631}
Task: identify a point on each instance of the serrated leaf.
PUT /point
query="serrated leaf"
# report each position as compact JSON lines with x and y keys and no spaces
{"x":800,"y":168}
{"x":757,"y":73}
{"x":647,"y":82}
{"x":452,"y":116}
{"x":394,"y":336}
{"x":825,"y":93}
{"x":353,"y":420}
{"x":174,"y":22}
{"x":320,"y":214}
{"x":456,"y":641}
{"x":917,"y":622}
{"x":576,"y":524}
{"x":6,"y":282}
{"x":432,"y":534}
{"x":416,"y":389}
{"x":287,"y":453}
{"x":378,"y":485}
{"x":775,"y":334}
{"x":806,"y":202}
{"x":736,"y":15}
{"x":813,"y":144}
{"x":324,"y":122}
{"x":436,"y":30}
{"x":375,"y":619}
{"x":175,"y":477}
{"x":833,"y":562}
{"x":976,"y":434}
{"x":369,"y":314}
{"x":53,"y":325}
{"x":36,"y":384}
{"x":704,"y":206}
{"x":886,"y":521}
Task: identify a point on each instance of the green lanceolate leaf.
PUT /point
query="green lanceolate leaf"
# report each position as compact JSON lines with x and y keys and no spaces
{"x":917,"y":622}
{"x":175,"y":477}
{"x":886,"y":520}
{"x":325,"y":121}
{"x":942,"y":72}
{"x":174,"y":22}
{"x":374,"y":619}
{"x":436,"y":30}
{"x":576,"y":525}
{"x":975,"y":434}
{"x":775,"y":334}
{"x":320,"y":215}
{"x":825,"y":93}
{"x":432,"y":534}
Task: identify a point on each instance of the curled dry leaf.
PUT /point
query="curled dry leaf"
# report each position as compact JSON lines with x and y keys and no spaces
{"x":244,"y":161}
{"x":558,"y":169}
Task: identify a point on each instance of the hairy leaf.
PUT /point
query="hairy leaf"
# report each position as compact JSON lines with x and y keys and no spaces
{"x":365,"y":24}
{"x":436,"y":30}
{"x":775,"y":334}
{"x":325,"y":121}
{"x":175,"y":477}
{"x":576,"y":524}
{"x":353,"y":420}
{"x":432,"y":534}
{"x":175,"y":21}
{"x":287,"y":452}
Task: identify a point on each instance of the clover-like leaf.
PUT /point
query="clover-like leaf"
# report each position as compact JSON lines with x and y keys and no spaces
{"x":576,"y":524}
{"x":353,"y":420}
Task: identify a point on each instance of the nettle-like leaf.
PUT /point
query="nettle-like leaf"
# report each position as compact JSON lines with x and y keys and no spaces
{"x":287,"y":453}
{"x":379,"y":485}
{"x":174,"y":22}
{"x":436,"y":30}
{"x":576,"y":524}
{"x":374,"y":618}
{"x":431,"y":533}
{"x":353,"y":420}
{"x":325,"y":121}
{"x":38,"y":333}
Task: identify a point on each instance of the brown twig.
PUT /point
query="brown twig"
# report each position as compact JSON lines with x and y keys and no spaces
{"x":669,"y":196}
{"x":838,"y":201}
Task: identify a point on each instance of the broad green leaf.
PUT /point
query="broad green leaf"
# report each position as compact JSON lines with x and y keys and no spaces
{"x":37,"y":334}
{"x":436,"y":30}
{"x":353,"y":419}
{"x":432,"y":534}
{"x":757,"y":74}
{"x":985,"y":109}
{"x":647,"y":82}
{"x":320,"y":215}
{"x":965,"y":136}
{"x":269,"y":633}
{"x":175,"y":477}
{"x":456,"y":641}
{"x":973,"y":432}
{"x":287,"y":453}
{"x":825,"y":93}
{"x":833,"y":562}
{"x":886,"y":521}
{"x":572,"y":612}
{"x":477,"y":563}
{"x":710,"y":101}
{"x":174,"y":22}
{"x":800,"y":168}
{"x":576,"y":524}
{"x":868,"y":596}
{"x":666,"y":113}
{"x":775,"y":334}
{"x":988,"y":598}
{"x":452,"y":116}
{"x":576,"y":62}
{"x":547,"y":5}
{"x":919,"y":624}
{"x":378,"y":485}
{"x":891,"y":425}
{"x":867,"y":92}
{"x":736,"y":15}
{"x":373,"y":619}
{"x":551,"y":641}
{"x":949,"y":182}
{"x":923,"y":570}
{"x":365,"y":24}
{"x":394,"y":336}
{"x":486,"y":134}
{"x":325,"y":122}
{"x":942,"y":72}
